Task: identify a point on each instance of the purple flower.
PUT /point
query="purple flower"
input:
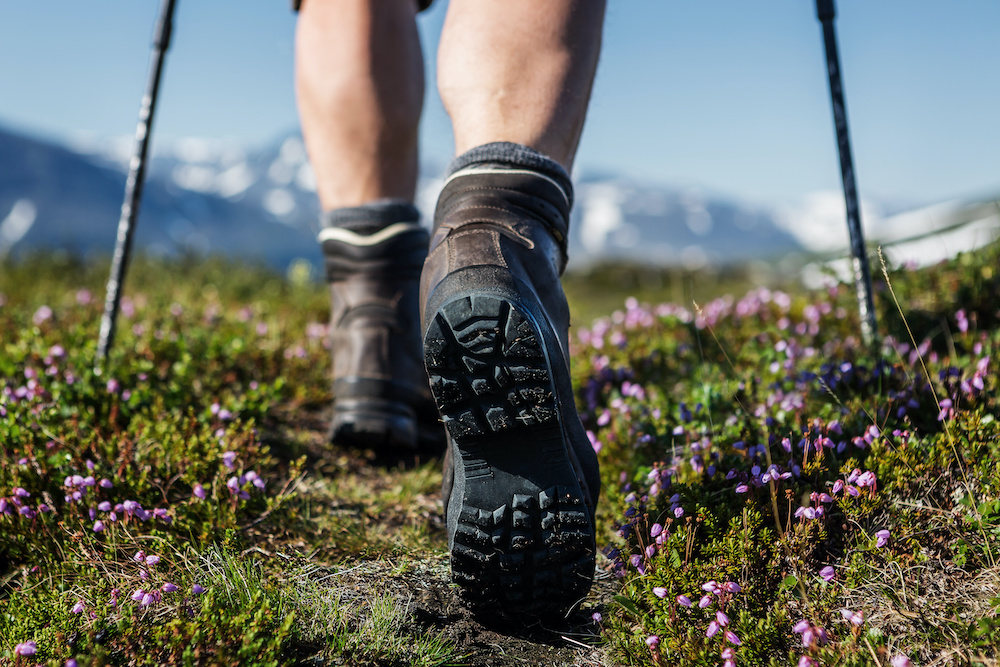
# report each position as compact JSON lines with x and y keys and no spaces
{"x":138,"y":595}
{"x":742,"y":488}
{"x":732,"y":587}
{"x":828,"y":573}
{"x":800,"y":627}
{"x":713,"y":629}
{"x":152,"y":560}
{"x":139,"y":556}
{"x":683,"y":600}
{"x":711,"y":587}
{"x":806,"y":661}
{"x":197,"y":590}
{"x":234,"y":485}
{"x":705,"y":601}
{"x":852,"y":617}
{"x":78,"y":607}
{"x":147,"y":600}
{"x":105,"y":484}
{"x":660,"y":592}
{"x":26,"y":648}
{"x":722,"y":619}
{"x":42,"y":314}
{"x":899,"y":661}
{"x":104,"y":506}
{"x":732,"y":638}
{"x":98,"y":526}
{"x":229,"y":459}
{"x":655,"y":530}
{"x":678,"y":512}
{"x":882,"y":538}
{"x":597,"y":617}
{"x":198,"y":491}
{"x":168,"y":587}
{"x":652,"y":641}
{"x":70,"y":663}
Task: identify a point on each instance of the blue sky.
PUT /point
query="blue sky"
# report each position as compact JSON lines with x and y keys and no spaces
{"x":725,"y":95}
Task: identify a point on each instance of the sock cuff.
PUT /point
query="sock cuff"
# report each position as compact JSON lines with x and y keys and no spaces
{"x":371,"y":217}
{"x":510,"y":155}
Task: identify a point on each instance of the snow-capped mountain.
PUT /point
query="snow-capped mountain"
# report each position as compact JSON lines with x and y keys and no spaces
{"x":211,"y":196}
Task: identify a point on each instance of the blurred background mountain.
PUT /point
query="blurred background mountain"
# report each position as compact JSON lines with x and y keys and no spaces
{"x":218,"y":197}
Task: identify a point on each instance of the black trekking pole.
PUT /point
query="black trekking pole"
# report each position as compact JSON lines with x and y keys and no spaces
{"x":826,"y":12}
{"x":133,"y":186}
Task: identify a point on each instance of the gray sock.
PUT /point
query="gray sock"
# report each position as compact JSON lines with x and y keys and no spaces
{"x":506,"y":154}
{"x":371,"y":217}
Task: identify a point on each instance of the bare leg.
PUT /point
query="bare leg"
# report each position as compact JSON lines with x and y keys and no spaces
{"x":520,"y":71}
{"x":360,"y":87}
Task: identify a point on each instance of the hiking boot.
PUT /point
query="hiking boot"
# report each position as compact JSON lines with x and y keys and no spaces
{"x":521,"y":478}
{"x":373,"y":257}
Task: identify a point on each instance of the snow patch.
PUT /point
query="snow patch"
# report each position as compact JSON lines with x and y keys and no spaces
{"x":17,"y":223}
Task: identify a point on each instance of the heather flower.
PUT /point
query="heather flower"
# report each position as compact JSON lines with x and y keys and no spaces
{"x":722,"y":619}
{"x":732,"y":587}
{"x":853,"y":617}
{"x":660,"y":592}
{"x":711,"y":587}
{"x":25,"y":649}
{"x":732,"y":638}
{"x":683,"y":600}
{"x":70,"y":663}
{"x":147,"y":600}
{"x":139,"y":556}
{"x":800,"y":627}
{"x":806,"y":661}
{"x":655,"y":530}
{"x":882,"y":538}
{"x":229,"y":459}
{"x":198,"y":491}
{"x":713,"y":629}
{"x":899,"y":660}
{"x":41,"y":315}
{"x":197,"y":590}
{"x":152,"y":560}
{"x":78,"y":607}
{"x":596,"y":616}
{"x":652,"y":641}
{"x":705,"y":601}
{"x":98,"y":526}
{"x":828,"y":573}
{"x":138,"y":594}
{"x":168,"y":587}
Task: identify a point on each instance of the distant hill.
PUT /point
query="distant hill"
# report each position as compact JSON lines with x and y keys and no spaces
{"x":54,"y":198}
{"x":216,"y":197}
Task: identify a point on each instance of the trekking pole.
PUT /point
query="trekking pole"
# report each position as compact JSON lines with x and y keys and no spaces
{"x":133,"y":186}
{"x":826,"y":12}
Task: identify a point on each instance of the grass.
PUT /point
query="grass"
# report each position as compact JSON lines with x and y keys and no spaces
{"x":773,"y":492}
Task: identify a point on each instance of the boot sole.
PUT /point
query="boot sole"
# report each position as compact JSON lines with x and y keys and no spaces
{"x":520,"y":533}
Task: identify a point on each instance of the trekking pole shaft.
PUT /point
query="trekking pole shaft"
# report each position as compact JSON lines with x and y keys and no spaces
{"x":134,"y":183}
{"x":826,"y":13}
